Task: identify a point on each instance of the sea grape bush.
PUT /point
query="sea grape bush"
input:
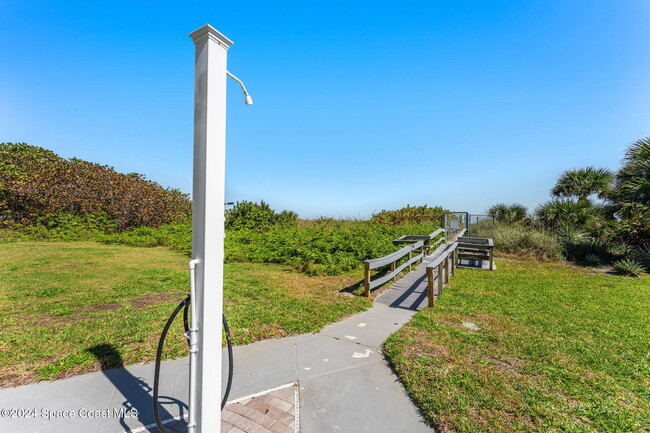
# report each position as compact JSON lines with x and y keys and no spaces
{"x":257,"y":217}
{"x":324,"y":247}
{"x":409,"y":215}
{"x":36,"y":184}
{"x":331,"y":248}
{"x":177,"y":236}
{"x":327,"y":248}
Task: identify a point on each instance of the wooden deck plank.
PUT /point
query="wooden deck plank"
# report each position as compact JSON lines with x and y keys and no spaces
{"x":410,"y":292}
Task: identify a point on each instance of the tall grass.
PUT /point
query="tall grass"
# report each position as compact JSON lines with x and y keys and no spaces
{"x":524,"y":241}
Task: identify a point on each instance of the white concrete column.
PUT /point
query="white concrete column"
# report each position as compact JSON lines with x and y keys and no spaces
{"x":208,"y":195}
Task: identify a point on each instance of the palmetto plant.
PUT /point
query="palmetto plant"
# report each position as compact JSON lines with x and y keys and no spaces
{"x":632,"y":193}
{"x":643,"y":256}
{"x":583,"y":182}
{"x":630,"y":268}
{"x":508,"y":213}
{"x":571,"y":233}
{"x":561,"y":212}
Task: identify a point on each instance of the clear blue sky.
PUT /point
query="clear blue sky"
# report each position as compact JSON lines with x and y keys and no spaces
{"x":359,"y":106}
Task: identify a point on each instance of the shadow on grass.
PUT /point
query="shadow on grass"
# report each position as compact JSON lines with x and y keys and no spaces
{"x":355,"y":289}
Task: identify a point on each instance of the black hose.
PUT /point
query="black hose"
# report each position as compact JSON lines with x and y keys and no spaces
{"x":161,"y":343}
{"x":230,"y":363}
{"x":156,"y":376}
{"x":186,"y":323}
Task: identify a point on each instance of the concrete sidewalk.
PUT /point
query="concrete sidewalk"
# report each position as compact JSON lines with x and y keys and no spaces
{"x":345,"y":385}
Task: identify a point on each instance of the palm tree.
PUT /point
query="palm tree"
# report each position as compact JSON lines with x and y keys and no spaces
{"x":583,"y":182}
{"x":508,"y":213}
{"x":632,"y":189}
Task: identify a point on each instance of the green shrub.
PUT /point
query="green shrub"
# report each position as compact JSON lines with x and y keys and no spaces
{"x":579,"y":250}
{"x":592,"y":259}
{"x":246,"y":215}
{"x":635,"y":230}
{"x":629,"y":268}
{"x":323,"y":248}
{"x":36,"y":185}
{"x":409,"y":215}
{"x":619,"y":250}
{"x":176,"y":236}
{"x":642,"y":255}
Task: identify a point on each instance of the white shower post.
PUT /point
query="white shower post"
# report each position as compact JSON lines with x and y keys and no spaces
{"x":208,"y":197}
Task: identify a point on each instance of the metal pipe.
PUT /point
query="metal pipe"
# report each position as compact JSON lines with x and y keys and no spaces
{"x":194,"y":348}
{"x":247,"y":98}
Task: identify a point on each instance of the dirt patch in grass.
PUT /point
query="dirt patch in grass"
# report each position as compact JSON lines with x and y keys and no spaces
{"x":300,"y":284}
{"x":422,"y":345}
{"x":15,"y":376}
{"x":107,"y":306}
{"x":48,"y":320}
{"x":54,"y":320}
{"x":508,"y":364}
{"x":153,"y":298}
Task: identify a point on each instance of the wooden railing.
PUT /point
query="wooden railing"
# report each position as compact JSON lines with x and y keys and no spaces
{"x":445,"y":259}
{"x":430,"y":241}
{"x":477,"y":249}
{"x":445,"y":262}
{"x":416,"y":247}
{"x":454,"y":234}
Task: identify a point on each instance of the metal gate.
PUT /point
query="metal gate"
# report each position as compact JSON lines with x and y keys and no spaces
{"x":477,"y":225}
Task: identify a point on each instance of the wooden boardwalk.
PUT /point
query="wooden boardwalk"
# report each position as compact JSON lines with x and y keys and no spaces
{"x":410,"y":291}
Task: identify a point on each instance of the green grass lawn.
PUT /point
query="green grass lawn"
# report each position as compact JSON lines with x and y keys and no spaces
{"x":62,"y":304}
{"x":560,"y":349}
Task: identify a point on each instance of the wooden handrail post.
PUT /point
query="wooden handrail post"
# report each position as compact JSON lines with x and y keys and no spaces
{"x":491,"y":250}
{"x":432,"y":295}
{"x":440,"y":279}
{"x":446,"y":267}
{"x":366,"y":280}
{"x":410,"y":264}
{"x":453,"y":263}
{"x":393,"y":266}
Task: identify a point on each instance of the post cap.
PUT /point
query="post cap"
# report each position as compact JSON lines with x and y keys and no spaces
{"x":207,"y":31}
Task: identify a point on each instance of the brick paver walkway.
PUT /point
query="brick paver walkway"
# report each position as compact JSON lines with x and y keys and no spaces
{"x":272,"y":412}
